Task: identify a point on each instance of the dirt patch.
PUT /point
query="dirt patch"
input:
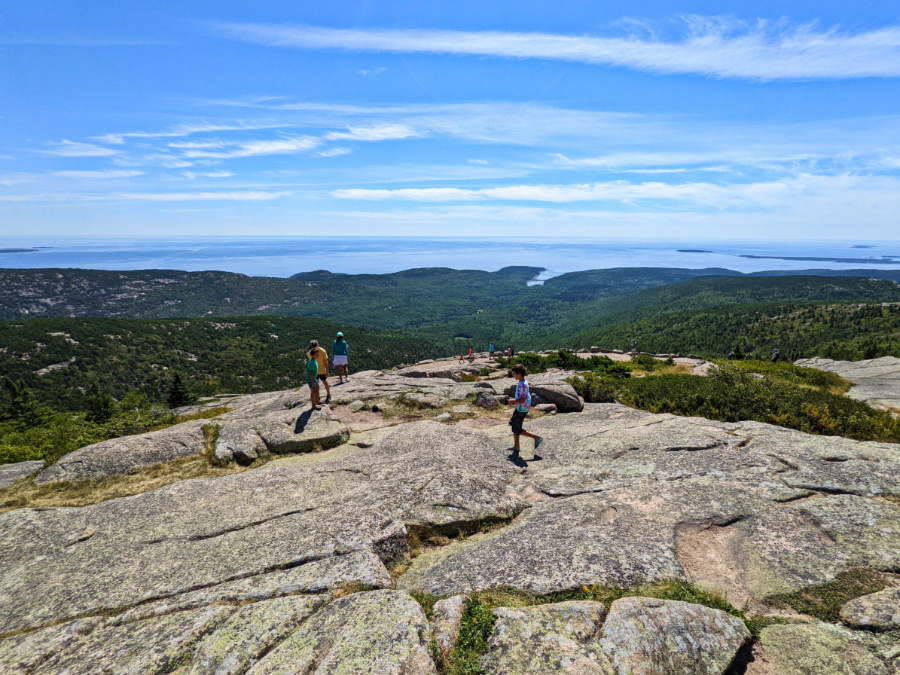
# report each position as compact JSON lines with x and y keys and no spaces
{"x":712,"y":557}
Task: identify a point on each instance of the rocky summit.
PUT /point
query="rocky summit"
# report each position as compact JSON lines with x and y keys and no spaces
{"x":364,"y":536}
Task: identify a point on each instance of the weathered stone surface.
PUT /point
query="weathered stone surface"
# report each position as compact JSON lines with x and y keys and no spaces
{"x":461,"y":410}
{"x":356,"y":405}
{"x":444,"y":417}
{"x":562,"y":395}
{"x":362,"y":568}
{"x":656,"y":497}
{"x":446,"y":620}
{"x":878,"y":611}
{"x":10,"y":473}
{"x":202,"y":533}
{"x":558,"y":638}
{"x":151,"y":646}
{"x":249,"y":634}
{"x":24,"y":652}
{"x":816,"y":649}
{"x":546,"y":408}
{"x":644,"y":636}
{"x":118,"y":456}
{"x":876,"y":381}
{"x":375,"y":632}
{"x":296,"y":430}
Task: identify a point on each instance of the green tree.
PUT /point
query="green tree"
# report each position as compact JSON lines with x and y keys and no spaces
{"x":100,"y":406}
{"x":179,"y":394}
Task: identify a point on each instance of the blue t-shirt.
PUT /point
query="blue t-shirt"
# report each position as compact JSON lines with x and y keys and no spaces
{"x":523,"y":391}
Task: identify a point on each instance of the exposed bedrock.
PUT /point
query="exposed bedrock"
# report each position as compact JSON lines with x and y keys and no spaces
{"x":248,"y":572}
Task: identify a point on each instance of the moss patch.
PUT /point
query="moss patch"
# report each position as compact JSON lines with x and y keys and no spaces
{"x":825,"y":601}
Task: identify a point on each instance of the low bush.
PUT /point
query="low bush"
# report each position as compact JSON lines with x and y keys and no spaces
{"x":734,"y":393}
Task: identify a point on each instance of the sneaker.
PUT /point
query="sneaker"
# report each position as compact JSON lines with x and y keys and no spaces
{"x":537,"y":443}
{"x":328,"y":400}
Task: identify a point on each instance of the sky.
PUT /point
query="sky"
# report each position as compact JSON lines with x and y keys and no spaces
{"x":775,"y":120}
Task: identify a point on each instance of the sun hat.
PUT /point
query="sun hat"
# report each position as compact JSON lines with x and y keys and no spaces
{"x":340,"y":334}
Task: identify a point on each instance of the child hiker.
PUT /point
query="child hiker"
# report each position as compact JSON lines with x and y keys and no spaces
{"x":312,"y":374}
{"x":522,"y":402}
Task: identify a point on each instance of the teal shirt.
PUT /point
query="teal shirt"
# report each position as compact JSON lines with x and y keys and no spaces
{"x":312,"y":369}
{"x":340,"y":348}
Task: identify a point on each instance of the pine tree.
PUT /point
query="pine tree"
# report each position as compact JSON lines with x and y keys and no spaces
{"x":100,"y":405}
{"x":178,"y":393}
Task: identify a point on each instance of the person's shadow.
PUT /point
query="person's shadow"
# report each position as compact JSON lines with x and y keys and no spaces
{"x":522,"y":463}
{"x":302,"y":421}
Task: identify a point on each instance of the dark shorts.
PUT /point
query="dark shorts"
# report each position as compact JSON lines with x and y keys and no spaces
{"x":323,"y":377}
{"x":516,"y":422}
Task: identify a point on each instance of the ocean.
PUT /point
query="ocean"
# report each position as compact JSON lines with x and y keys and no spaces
{"x":284,"y":256}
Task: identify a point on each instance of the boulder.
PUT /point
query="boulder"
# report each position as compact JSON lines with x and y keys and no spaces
{"x":10,"y":473}
{"x":546,"y":408}
{"x":876,"y":611}
{"x":461,"y":410}
{"x":422,"y":400}
{"x":119,"y":456}
{"x":446,"y":620}
{"x":379,"y":632}
{"x":814,"y":648}
{"x":595,"y":350}
{"x":278,"y":433}
{"x":645,"y":636}
{"x":485,"y":400}
{"x":356,"y":406}
{"x":556,"y":638}
{"x":444,"y":417}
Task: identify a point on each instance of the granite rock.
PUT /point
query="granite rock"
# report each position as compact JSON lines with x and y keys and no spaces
{"x":556,"y":638}
{"x":876,"y":611}
{"x":816,"y":649}
{"x":10,"y":473}
{"x":378,"y":632}
{"x":446,"y":620}
{"x":645,"y":636}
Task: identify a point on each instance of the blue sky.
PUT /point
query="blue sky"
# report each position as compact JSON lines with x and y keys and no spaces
{"x":642,"y":119}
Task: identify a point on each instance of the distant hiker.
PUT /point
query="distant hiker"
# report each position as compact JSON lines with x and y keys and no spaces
{"x":748,"y":356}
{"x":341,"y":353}
{"x":775,"y":355}
{"x":522,"y":401}
{"x":471,"y":356}
{"x":731,"y":356}
{"x":491,"y":349}
{"x":634,"y":346}
{"x":322,"y":357}
{"x":312,"y":374}
{"x":462,"y":358}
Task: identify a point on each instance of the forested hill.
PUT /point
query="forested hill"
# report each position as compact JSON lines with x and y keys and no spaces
{"x":60,"y":358}
{"x":387,"y":298}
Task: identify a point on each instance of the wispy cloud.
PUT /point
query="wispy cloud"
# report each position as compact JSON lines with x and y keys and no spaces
{"x":257,"y":148}
{"x":742,"y":196}
{"x":334,"y":152}
{"x":72,"y":149}
{"x":207,"y":174}
{"x":392,"y":132}
{"x":710,"y":47}
{"x":100,"y":175}
{"x":245,"y":196}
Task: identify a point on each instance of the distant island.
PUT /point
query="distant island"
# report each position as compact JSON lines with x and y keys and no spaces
{"x":883,"y":260}
{"x":693,"y":250}
{"x":18,"y":250}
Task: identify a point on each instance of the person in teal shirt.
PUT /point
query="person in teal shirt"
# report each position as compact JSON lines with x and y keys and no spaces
{"x":341,"y":353}
{"x":312,"y":374}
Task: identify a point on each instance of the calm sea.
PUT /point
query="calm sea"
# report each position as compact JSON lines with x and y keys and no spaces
{"x":284,"y":256}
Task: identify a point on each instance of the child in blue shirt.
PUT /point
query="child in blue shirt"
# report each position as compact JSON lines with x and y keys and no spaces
{"x":522,"y":401}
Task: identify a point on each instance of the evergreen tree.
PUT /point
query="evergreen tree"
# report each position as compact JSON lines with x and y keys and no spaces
{"x":178,"y":393}
{"x":100,"y":405}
